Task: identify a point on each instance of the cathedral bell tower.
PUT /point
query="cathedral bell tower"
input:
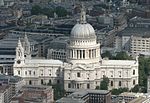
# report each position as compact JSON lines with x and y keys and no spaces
{"x":19,"y":54}
{"x":83,"y":46}
{"x":26,"y":46}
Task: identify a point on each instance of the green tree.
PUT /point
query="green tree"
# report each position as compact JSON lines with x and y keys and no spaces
{"x":48,"y":11}
{"x":122,"y":56}
{"x":36,"y":10}
{"x":119,"y":91}
{"x":60,"y":11}
{"x":58,"y":90}
{"x":104,"y":83}
{"x":144,"y":70}
{"x":107,"y":54}
{"x":115,"y":92}
{"x":135,"y":89}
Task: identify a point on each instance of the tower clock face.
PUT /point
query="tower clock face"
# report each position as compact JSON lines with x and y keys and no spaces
{"x":18,"y":61}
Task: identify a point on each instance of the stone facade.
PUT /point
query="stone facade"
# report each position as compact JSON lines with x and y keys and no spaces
{"x":84,"y":68}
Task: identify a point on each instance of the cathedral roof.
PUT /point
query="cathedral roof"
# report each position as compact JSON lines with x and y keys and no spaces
{"x":118,"y":62}
{"x":43,"y":61}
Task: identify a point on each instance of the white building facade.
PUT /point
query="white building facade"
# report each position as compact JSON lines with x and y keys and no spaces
{"x":84,"y":67}
{"x":37,"y":71}
{"x":87,"y":68}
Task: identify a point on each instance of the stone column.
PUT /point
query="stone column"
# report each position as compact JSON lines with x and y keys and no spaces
{"x":74,"y":52}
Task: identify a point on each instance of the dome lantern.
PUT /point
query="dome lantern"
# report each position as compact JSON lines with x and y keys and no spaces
{"x":83,"y":16}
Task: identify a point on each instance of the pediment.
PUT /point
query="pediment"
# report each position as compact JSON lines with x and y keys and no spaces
{"x":78,"y":68}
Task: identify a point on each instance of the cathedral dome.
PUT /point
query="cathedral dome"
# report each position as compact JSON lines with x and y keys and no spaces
{"x":84,"y":30}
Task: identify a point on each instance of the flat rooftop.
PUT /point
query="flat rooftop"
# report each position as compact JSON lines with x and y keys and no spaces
{"x":89,"y":91}
{"x":36,"y":87}
{"x":135,"y":32}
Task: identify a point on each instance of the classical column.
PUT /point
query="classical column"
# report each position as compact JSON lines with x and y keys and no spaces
{"x":74,"y":51}
{"x":86,"y":54}
{"x":70,"y":53}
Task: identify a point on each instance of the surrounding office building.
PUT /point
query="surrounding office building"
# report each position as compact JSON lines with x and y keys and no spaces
{"x":133,"y":40}
{"x":14,"y":81}
{"x":57,"y":49}
{"x":7,"y":52}
{"x":84,"y":67}
{"x":139,"y":22}
{"x":140,"y":45}
{"x":34,"y":94}
{"x":5,"y":94}
{"x":86,"y":96}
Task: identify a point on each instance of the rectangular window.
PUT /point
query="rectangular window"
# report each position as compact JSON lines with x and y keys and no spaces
{"x":69,"y":85}
{"x":30,"y":72}
{"x":18,"y":72}
{"x":88,"y":86}
{"x":133,"y":82}
{"x":111,"y":83}
{"x":119,"y":83}
{"x":133,"y":72}
{"x":30,"y":82}
{"x":25,"y":72}
{"x":78,"y":74}
{"x":78,"y":86}
{"x":42,"y":81}
{"x":34,"y":72}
